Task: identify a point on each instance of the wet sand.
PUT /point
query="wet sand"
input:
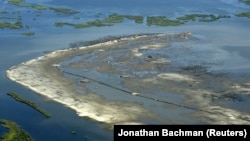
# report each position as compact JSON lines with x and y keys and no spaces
{"x":134,"y":81}
{"x":42,"y":76}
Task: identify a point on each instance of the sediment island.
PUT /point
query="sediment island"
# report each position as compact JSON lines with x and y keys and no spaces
{"x":118,"y":89}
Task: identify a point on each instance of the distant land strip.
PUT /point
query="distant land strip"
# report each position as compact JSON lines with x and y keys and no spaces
{"x":29,"y":103}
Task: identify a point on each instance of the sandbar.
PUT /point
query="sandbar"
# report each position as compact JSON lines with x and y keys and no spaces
{"x":143,"y":73}
{"x":42,"y":76}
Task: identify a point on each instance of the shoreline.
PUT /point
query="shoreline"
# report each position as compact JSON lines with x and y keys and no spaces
{"x":42,"y":76}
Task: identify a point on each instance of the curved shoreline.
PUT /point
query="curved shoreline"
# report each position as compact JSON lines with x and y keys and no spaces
{"x":42,"y":76}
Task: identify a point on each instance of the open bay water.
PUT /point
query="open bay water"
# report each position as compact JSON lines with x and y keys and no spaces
{"x":225,"y":35}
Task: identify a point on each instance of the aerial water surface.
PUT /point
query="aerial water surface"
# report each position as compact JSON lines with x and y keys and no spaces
{"x":191,"y":68}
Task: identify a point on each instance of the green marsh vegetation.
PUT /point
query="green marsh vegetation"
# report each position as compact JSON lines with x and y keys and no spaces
{"x":113,"y":18}
{"x":29,"y":103}
{"x":243,"y":14}
{"x":116,"y":18}
{"x":151,"y":20}
{"x":201,"y":17}
{"x":63,"y":10}
{"x":28,"y":33}
{"x":164,"y":21}
{"x":22,"y":3}
{"x":15,"y":133}
{"x":109,"y":21}
{"x":16,"y":25}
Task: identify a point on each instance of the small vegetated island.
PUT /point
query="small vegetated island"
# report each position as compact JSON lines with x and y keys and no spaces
{"x":243,"y":14}
{"x":17,"y":24}
{"x":29,"y":103}
{"x":28,"y":33}
{"x":10,"y":20}
{"x":15,"y":133}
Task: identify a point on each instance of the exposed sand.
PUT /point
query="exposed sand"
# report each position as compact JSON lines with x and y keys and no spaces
{"x":43,"y":76}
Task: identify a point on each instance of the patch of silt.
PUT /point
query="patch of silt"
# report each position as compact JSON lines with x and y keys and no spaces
{"x":166,"y":69}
